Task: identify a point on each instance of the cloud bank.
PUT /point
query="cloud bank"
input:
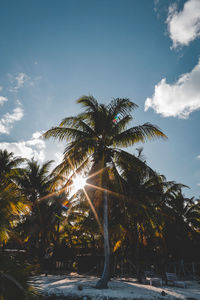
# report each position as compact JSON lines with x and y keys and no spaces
{"x":27,"y":149}
{"x":36,"y":147}
{"x":184,"y":26}
{"x":179,"y":99}
{"x":7,"y":121}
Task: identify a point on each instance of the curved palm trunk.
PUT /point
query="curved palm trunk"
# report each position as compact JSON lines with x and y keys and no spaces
{"x":103,"y":282}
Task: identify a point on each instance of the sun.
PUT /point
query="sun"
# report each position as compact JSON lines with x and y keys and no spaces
{"x":79,"y":182}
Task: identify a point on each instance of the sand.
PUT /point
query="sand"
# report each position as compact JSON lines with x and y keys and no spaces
{"x":124,"y":288}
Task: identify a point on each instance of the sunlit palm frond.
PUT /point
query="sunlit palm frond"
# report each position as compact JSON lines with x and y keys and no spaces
{"x":74,"y":171}
{"x":74,"y":158}
{"x":137,"y":134}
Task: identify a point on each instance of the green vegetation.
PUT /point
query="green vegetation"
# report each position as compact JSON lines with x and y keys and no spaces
{"x":126,"y":209}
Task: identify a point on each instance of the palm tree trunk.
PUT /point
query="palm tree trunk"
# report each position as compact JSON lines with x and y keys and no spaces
{"x":103,"y":282}
{"x":137,"y":250}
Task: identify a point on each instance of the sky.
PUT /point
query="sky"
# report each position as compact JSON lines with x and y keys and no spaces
{"x":53,"y":52}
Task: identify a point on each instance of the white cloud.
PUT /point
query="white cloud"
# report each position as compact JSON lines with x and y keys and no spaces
{"x":184,"y":26}
{"x":198,"y":157}
{"x":15,"y":116}
{"x":36,"y":147}
{"x":178,"y":99}
{"x":33,"y":148}
{"x":6,"y":122}
{"x":1,"y":88}
{"x":3,"y":99}
{"x":19,"y":81}
{"x":37,"y":135}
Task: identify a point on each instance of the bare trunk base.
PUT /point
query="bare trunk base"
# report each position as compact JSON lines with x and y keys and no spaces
{"x":103,"y":282}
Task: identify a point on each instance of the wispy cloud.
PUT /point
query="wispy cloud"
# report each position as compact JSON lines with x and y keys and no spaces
{"x":19,"y":81}
{"x":156,"y":6}
{"x":3,"y":99}
{"x":6,"y":122}
{"x":179,"y":99}
{"x":184,"y":26}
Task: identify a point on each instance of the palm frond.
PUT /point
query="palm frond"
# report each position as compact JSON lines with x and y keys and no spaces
{"x":77,"y":123}
{"x":173,"y":188}
{"x":89,"y":102}
{"x":45,"y":168}
{"x":120,"y":124}
{"x":124,"y":159}
{"x":137,"y":134}
{"x":78,"y":154}
{"x":63,"y":133}
{"x":122,"y":106}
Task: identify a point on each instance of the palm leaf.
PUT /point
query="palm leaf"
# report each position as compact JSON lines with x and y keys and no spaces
{"x":89,"y":102}
{"x":137,"y":134}
{"x":62,"y":133}
{"x":121,"y":124}
{"x":122,"y":106}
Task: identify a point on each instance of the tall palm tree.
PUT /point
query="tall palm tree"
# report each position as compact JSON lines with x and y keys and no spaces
{"x":96,"y":137}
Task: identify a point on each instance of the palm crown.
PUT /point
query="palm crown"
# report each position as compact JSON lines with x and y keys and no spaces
{"x":34,"y":181}
{"x":8,"y":164}
{"x":96,"y":134}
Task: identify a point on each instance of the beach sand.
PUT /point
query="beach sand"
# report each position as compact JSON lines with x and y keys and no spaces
{"x":83,"y":287}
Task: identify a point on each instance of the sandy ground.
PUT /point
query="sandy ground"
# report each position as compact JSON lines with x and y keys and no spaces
{"x":63,"y":286}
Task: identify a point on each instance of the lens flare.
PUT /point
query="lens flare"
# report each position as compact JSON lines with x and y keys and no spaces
{"x":79,"y":182}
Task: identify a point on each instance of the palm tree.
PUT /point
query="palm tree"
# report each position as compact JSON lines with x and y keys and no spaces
{"x":34,"y":180}
{"x":8,"y":164}
{"x":95,"y":137}
{"x":181,"y":223}
{"x":13,"y":277}
{"x":34,"y":183}
{"x":139,"y":216}
{"x":11,"y":202}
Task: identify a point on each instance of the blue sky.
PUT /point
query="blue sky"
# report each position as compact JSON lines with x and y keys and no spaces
{"x":53,"y":52}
